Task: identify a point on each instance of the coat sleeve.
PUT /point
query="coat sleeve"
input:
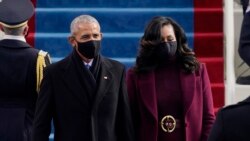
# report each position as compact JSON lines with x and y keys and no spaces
{"x":124,"y":122}
{"x":208,"y":110}
{"x":217,"y":130}
{"x":43,"y":114}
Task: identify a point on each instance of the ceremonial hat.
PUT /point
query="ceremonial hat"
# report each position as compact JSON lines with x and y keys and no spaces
{"x":15,"y":13}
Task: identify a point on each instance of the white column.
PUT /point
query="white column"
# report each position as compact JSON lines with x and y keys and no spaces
{"x":229,"y":51}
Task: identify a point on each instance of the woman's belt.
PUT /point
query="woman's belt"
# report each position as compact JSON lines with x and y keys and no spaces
{"x":169,"y":123}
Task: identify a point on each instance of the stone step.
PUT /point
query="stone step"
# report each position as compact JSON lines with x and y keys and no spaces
{"x":114,"y":3}
{"x":57,"y":20}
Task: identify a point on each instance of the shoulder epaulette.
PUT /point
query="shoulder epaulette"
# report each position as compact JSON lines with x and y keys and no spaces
{"x":40,"y":65}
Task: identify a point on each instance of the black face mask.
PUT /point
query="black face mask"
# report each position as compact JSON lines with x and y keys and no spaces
{"x":89,"y":49}
{"x":166,"y":50}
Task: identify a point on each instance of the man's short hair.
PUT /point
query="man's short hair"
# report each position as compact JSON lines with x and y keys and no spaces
{"x":82,"y":19}
{"x":14,"y":31}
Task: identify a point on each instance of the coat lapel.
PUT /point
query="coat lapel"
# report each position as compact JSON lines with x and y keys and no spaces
{"x":188,"y":85}
{"x":104,"y":81}
{"x":148,"y":93}
{"x":75,"y":82}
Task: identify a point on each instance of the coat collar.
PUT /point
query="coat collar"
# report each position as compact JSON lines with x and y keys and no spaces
{"x":13,"y":43}
{"x":103,"y":81}
{"x":147,"y":92}
{"x":245,"y":101}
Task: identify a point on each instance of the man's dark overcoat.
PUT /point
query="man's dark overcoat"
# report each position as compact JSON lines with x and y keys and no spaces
{"x":85,"y":105}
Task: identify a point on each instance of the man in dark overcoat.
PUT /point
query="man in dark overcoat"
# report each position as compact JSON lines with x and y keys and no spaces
{"x":85,"y":93}
{"x":232,"y":123}
{"x":20,"y":71}
{"x":244,"y":41}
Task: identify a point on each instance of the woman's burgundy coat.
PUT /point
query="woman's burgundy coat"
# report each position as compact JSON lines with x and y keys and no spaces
{"x":197,"y":98}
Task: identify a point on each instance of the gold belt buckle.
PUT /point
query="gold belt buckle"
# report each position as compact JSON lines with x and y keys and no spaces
{"x":168,"y":123}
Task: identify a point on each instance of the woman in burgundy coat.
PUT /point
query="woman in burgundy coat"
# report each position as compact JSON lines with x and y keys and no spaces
{"x":169,"y":90}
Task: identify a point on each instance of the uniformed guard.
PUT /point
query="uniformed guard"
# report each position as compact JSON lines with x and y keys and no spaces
{"x":21,"y":70}
{"x":232,"y":123}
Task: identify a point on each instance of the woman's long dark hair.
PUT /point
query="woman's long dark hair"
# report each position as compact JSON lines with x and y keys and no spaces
{"x":147,"y":57}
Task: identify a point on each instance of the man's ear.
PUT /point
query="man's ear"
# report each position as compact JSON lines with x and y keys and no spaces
{"x":26,"y":31}
{"x":101,"y":35}
{"x":71,"y":40}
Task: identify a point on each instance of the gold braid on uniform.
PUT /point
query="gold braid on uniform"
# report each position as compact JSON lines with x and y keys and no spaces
{"x":40,"y":65}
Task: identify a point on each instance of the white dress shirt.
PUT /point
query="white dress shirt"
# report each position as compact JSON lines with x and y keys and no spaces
{"x":88,"y":64}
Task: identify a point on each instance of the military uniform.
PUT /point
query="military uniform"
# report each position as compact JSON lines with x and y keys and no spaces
{"x":20,"y":73}
{"x":232,"y":123}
